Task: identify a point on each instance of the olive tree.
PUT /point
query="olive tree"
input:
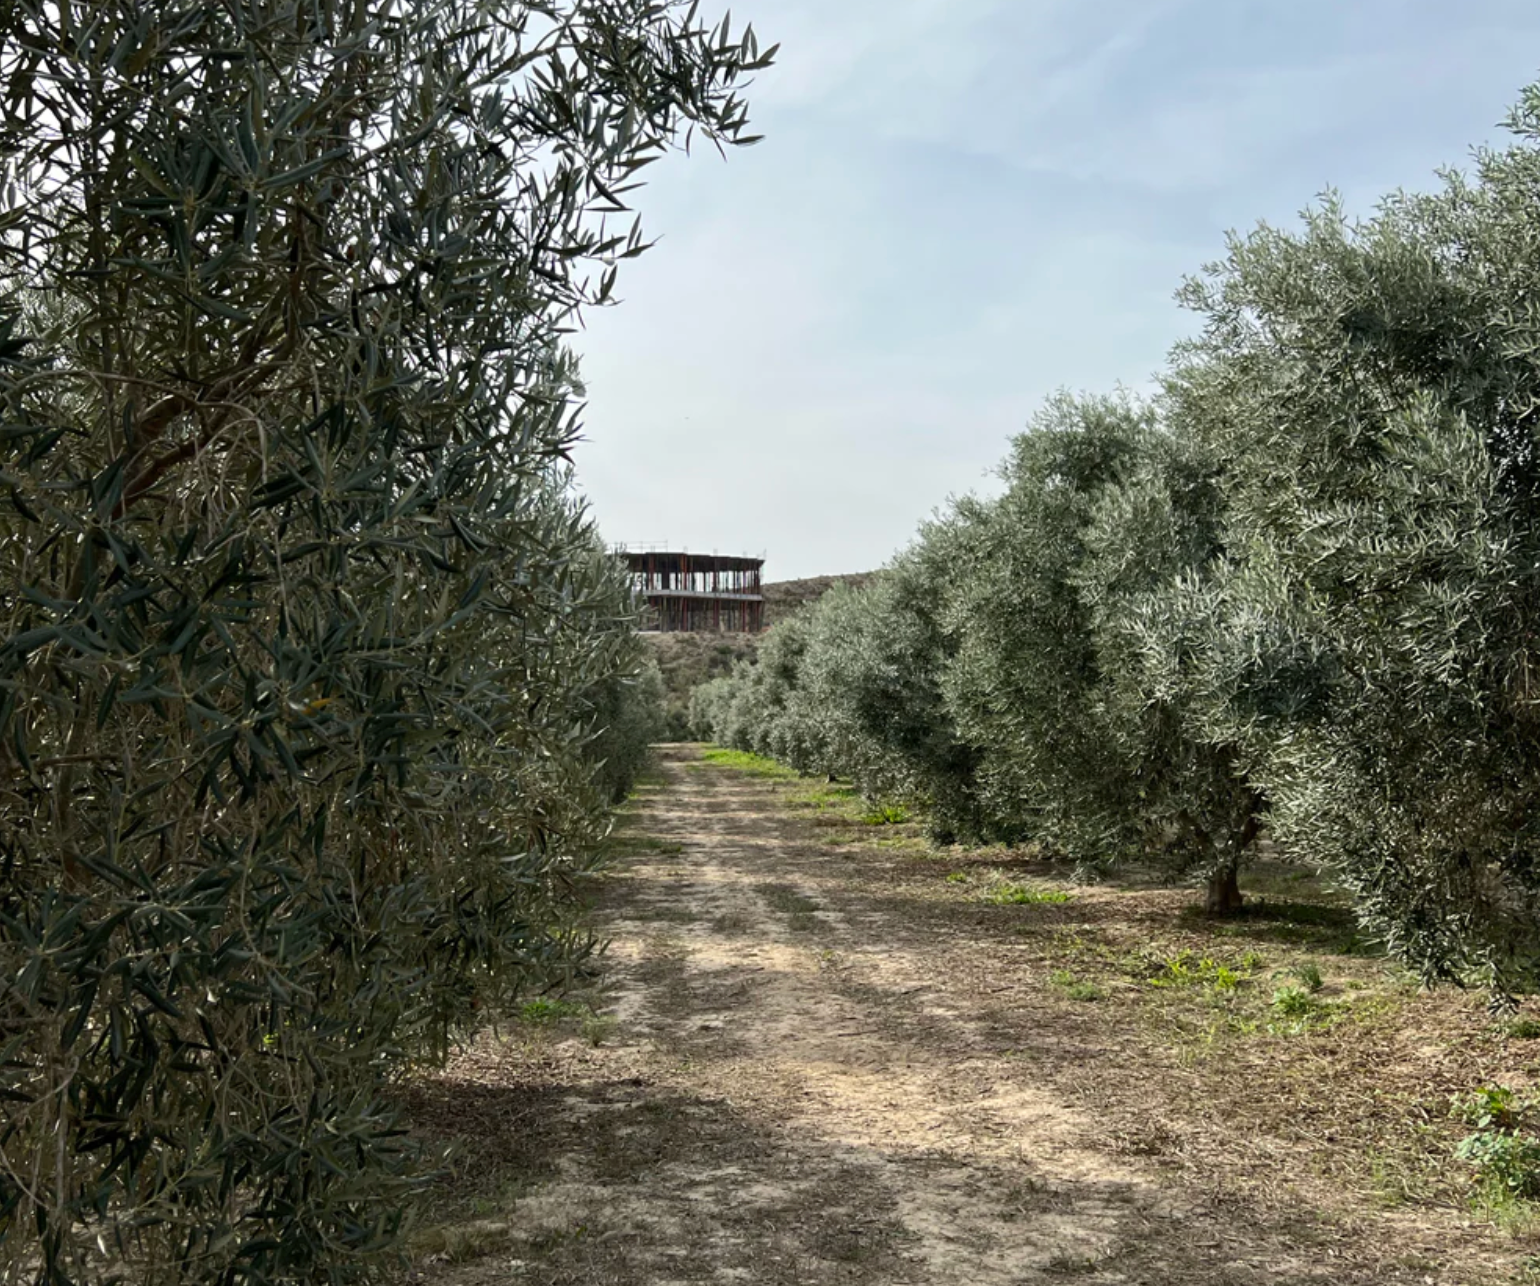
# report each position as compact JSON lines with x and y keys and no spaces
{"x":302,"y":644}
{"x":755,"y":707}
{"x":1067,"y":675}
{"x":628,"y":717}
{"x":872,"y":675}
{"x":706,"y":714}
{"x":1372,"y":388}
{"x":1150,"y":577}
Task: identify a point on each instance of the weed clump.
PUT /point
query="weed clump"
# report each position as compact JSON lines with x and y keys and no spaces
{"x":1006,"y":894}
{"x":1502,"y":1149}
{"x":1185,"y":969}
{"x":1075,"y":988}
{"x":544,"y":1011}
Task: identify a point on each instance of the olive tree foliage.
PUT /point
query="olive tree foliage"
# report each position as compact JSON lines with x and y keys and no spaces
{"x":1067,"y":675}
{"x":1372,"y":389}
{"x":628,"y":718}
{"x":303,"y":648}
{"x":1028,"y":667}
{"x":757,"y":707}
{"x":1023,"y":685}
{"x":706,"y":714}
{"x":1150,"y":579}
{"x":873,"y":674}
{"x":1305,"y":580}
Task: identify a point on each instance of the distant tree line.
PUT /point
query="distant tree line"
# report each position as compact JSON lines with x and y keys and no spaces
{"x":1296,"y":589}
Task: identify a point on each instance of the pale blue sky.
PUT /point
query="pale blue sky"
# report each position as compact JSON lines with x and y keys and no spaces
{"x":963,"y":205}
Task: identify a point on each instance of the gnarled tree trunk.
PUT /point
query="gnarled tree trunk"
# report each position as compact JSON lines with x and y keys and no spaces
{"x":1224,"y":892}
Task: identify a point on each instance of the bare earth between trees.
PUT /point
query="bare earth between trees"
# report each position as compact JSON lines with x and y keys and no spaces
{"x":823,"y":1052}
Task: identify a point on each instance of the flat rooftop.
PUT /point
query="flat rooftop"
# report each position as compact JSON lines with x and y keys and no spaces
{"x":679,"y":560}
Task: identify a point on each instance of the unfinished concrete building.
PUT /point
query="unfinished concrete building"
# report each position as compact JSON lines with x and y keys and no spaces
{"x":698,"y":592}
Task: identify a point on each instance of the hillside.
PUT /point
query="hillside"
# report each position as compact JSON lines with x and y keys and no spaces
{"x":784,"y":597}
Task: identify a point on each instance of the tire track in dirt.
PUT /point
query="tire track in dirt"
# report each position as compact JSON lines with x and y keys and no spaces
{"x":988,"y":1178}
{"x":795,"y":1092}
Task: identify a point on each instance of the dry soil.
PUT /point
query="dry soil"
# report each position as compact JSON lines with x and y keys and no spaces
{"x":804,"y":1068}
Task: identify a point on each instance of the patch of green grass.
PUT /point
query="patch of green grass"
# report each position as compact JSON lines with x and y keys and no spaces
{"x":1007,"y":894}
{"x":1294,"y":1002}
{"x":1523,"y":1029}
{"x":1296,"y":1010}
{"x":823,"y":794}
{"x":543,"y":1011}
{"x":745,"y":762}
{"x":1517,"y":1216}
{"x":1309,"y":974}
{"x":885,"y":815}
{"x":1187,"y":969}
{"x":957,"y":877}
{"x":1073,"y":987}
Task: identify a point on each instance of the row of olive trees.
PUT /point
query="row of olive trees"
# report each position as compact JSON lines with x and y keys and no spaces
{"x":1298,"y":587}
{"x":315,"y":682}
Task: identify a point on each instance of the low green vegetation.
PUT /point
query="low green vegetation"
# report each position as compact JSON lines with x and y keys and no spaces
{"x":1075,"y":988}
{"x":1295,"y":1002}
{"x":1008,"y":894}
{"x":544,"y":1011}
{"x":1310,"y":976}
{"x":746,"y":762}
{"x":1188,"y":970}
{"x":1502,"y":1150}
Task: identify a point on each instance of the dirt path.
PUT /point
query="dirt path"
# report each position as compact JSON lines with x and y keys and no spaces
{"x":799,"y":1082}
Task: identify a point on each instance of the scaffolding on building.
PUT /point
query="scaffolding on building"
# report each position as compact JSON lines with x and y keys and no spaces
{"x":697,"y":592}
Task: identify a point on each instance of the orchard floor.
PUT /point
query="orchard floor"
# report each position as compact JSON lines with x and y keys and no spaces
{"x":823,"y":1052}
